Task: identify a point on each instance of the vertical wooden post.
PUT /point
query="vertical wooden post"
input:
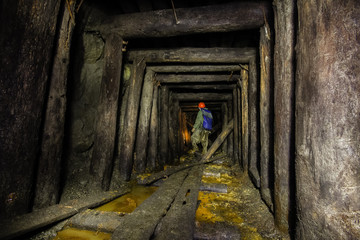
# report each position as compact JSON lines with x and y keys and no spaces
{"x":224,"y":111}
{"x":142,"y":135}
{"x":245,"y":118}
{"x":284,"y":54}
{"x":236,"y":127}
{"x":230,"y":142}
{"x":131,"y":117}
{"x":104,"y":141}
{"x":173,"y":129}
{"x":327,"y":124}
{"x":154,"y":130}
{"x":48,"y":175}
{"x":239,"y":125}
{"x":164,"y":126}
{"x":266,"y":169}
{"x":253,"y":121}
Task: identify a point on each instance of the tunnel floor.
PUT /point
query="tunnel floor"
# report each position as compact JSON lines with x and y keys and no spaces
{"x":231,"y":208}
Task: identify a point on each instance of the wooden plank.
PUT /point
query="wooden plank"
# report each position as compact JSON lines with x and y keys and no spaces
{"x":194,"y":55}
{"x":49,"y":164}
{"x":18,"y":226}
{"x":104,"y":140}
{"x":182,"y":210}
{"x":195,"y":68}
{"x":236,"y":127}
{"x":94,"y":220}
{"x":141,"y":223}
{"x":214,"y":187}
{"x":195,"y":78}
{"x":131,"y":117}
{"x":160,"y":23}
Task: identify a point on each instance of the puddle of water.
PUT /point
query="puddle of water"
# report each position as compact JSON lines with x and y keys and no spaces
{"x":128,"y":202}
{"x":124,"y":204}
{"x":77,"y":234}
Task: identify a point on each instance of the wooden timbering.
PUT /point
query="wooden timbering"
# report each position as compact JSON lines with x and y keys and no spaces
{"x":174,"y":129}
{"x":230,"y":142}
{"x":49,"y":163}
{"x":202,"y":96}
{"x":239,"y":124}
{"x":233,"y":16}
{"x":266,"y":160}
{"x":153,"y":132}
{"x":142,"y":135}
{"x":195,"y":68}
{"x":245,"y":118}
{"x":224,"y":114}
{"x":284,"y":113}
{"x":131,"y":117}
{"x":198,"y":78}
{"x":327,"y":126}
{"x":195,"y":55}
{"x":164,"y":125}
{"x":253,"y":123}
{"x":104,"y":140}
{"x":236,"y":127}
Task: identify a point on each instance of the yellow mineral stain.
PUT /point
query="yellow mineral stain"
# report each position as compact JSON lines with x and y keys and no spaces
{"x":77,"y":234}
{"x":225,"y":207}
{"x":128,"y":202}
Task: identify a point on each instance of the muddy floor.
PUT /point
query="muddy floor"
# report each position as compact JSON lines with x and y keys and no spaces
{"x":232,"y":210}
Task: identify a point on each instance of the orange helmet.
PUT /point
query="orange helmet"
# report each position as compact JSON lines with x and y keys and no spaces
{"x":201,"y":104}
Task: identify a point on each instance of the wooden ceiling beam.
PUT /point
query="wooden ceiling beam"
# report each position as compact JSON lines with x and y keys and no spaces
{"x":202,"y":96}
{"x":215,"y":18}
{"x":194,"y":55}
{"x":195,"y":68}
{"x":186,"y":78}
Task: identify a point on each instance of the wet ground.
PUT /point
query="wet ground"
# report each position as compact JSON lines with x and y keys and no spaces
{"x":237,"y":214}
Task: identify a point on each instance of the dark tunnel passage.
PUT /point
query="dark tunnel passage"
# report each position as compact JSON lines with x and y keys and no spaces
{"x":99,"y":99}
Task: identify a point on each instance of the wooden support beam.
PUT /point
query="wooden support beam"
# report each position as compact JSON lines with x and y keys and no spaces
{"x":186,"y":78}
{"x":284,"y":113}
{"x":245,"y":119}
{"x":104,"y":140}
{"x":253,"y":123}
{"x":230,"y":142}
{"x":236,"y":127}
{"x":202,"y":96}
{"x":142,"y":135}
{"x":49,"y":164}
{"x":217,"y":18}
{"x":266,"y":156}
{"x":194,"y":55}
{"x":164,"y":126}
{"x":225,"y":117}
{"x":210,"y":86}
{"x":219,"y":140}
{"x":154,"y":131}
{"x":195,"y":68}
{"x":131,"y":117}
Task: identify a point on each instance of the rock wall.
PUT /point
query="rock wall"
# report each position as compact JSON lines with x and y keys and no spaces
{"x":327,"y":120}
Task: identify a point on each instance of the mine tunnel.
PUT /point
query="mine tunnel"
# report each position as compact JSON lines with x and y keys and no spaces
{"x":99,"y":99}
